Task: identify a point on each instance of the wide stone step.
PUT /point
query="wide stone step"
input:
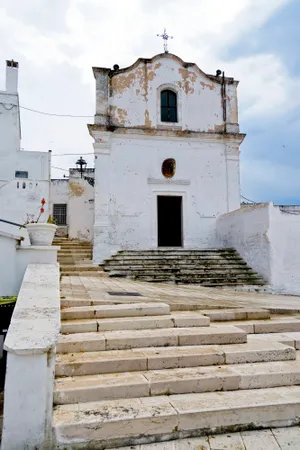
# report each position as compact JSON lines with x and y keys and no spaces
{"x":207,"y":251}
{"x":121,"y":340}
{"x":224,"y":315}
{"x":267,"y":326}
{"x":90,"y":388}
{"x":177,"y":320}
{"x":115,"y":423}
{"x":204,"y":281}
{"x":109,"y":311}
{"x":286,"y":338}
{"x":195,"y":270}
{"x":80,"y":268}
{"x":88,"y":356}
{"x":175,"y":259}
{"x":91,"y":273}
{"x":169,"y":273}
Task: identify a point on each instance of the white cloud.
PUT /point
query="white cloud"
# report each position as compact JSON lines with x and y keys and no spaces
{"x":98,"y":32}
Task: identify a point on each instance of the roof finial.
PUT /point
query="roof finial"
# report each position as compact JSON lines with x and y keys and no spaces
{"x":165,"y":37}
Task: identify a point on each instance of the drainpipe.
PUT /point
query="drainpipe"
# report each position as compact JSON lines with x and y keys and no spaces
{"x":223,"y":93}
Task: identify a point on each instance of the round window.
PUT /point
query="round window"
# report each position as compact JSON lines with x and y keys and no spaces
{"x":168,"y":167}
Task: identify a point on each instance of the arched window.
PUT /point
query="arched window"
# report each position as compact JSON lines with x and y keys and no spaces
{"x":168,"y":106}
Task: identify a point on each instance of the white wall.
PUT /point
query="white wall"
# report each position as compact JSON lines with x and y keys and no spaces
{"x":7,"y":263}
{"x":129,"y":179}
{"x":269,"y":240}
{"x":81,"y":209}
{"x":78,"y":195}
{"x":284,"y":236}
{"x":19,"y":197}
{"x":246,"y":230}
{"x":30,"y":345}
{"x":14,"y":259}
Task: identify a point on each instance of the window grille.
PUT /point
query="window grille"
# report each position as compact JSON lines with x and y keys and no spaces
{"x":60,"y":214}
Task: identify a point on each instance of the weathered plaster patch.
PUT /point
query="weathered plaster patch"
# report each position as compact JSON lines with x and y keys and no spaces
{"x":212,"y":87}
{"x":148,"y":122}
{"x":76,"y":190}
{"x":188,"y":78}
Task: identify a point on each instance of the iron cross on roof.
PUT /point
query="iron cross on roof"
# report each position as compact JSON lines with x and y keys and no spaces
{"x":165,"y":37}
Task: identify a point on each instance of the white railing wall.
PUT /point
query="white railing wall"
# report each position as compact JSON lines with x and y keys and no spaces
{"x":30,"y":346}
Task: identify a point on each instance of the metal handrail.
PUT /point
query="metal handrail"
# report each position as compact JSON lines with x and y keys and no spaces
{"x":12,"y":223}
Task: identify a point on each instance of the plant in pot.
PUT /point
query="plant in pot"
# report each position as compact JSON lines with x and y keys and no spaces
{"x":40,"y":233}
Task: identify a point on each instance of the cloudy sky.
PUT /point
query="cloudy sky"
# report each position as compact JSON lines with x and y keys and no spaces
{"x":56,"y":42}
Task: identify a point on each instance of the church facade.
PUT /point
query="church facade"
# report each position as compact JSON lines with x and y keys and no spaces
{"x":166,"y":155}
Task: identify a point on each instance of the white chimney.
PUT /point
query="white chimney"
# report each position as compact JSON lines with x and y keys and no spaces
{"x":12,"y":76}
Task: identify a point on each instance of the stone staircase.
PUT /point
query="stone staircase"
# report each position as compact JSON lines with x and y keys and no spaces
{"x":75,"y":258}
{"x":139,"y":373}
{"x":219,"y":267}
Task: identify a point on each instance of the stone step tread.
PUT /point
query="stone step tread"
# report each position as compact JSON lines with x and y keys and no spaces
{"x":176,"y":260}
{"x":176,"y":381}
{"x":175,"y":249}
{"x":284,"y":325}
{"x":287,"y":338}
{"x":146,"y":322}
{"x":124,"y":421}
{"x":92,"y":273}
{"x":83,"y":362}
{"x":236,"y":314}
{"x":77,"y":268}
{"x":200,"y":281}
{"x":125,"y":339}
{"x":178,"y":265}
{"x":124,"y":310}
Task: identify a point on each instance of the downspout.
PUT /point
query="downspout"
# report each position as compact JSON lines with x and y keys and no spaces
{"x":224,"y":102}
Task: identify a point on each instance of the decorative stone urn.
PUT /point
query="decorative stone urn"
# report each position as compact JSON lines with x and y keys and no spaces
{"x":41,"y":233}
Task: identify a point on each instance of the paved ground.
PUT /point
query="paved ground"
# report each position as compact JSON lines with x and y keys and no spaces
{"x":179,"y":296}
{"x":194,"y":297}
{"x":275,"y":439}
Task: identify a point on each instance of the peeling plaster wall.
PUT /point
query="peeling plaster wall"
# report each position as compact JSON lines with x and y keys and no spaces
{"x":129,"y":178}
{"x":78,"y":195}
{"x":81,"y":209}
{"x":134,"y":96}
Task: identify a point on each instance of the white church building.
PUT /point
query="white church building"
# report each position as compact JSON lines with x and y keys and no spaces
{"x":167,"y":170}
{"x":166,"y":145}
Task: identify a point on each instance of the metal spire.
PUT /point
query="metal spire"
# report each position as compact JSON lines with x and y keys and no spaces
{"x":165,"y":37}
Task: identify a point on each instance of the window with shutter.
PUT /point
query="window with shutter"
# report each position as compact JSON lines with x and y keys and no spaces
{"x":168,"y":105}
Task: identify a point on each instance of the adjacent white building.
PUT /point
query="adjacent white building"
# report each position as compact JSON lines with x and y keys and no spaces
{"x":72,"y":204}
{"x":166,"y":146}
{"x":24,"y":175}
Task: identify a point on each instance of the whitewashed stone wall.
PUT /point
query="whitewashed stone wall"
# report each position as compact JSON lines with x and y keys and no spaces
{"x":19,"y":196}
{"x":30,"y":345}
{"x":131,"y":144}
{"x":78,"y":195}
{"x":268,"y":239}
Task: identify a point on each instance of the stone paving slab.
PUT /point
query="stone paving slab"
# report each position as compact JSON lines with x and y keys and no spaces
{"x":195,"y":295}
{"x":271,"y":439}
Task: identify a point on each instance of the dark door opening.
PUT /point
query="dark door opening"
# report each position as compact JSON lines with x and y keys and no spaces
{"x":169,"y":221}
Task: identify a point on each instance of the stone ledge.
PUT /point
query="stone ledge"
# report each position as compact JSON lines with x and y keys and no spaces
{"x":39,"y":247}
{"x":35,"y":324}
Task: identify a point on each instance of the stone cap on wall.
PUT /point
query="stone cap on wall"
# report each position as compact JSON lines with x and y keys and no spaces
{"x":35,"y":324}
